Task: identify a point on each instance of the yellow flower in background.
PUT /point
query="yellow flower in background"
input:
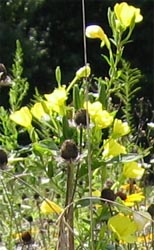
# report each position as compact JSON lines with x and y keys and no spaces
{"x":125,"y":14}
{"x":49,"y":207}
{"x":123,"y":227}
{"x":112,"y":148}
{"x":22,"y":117}
{"x":120,"y":128}
{"x":84,"y":71}
{"x":38,"y":111}
{"x":57,"y":99}
{"x":132,"y":170}
{"x":95,"y":31}
{"x":133,"y":198}
{"x":141,"y":219}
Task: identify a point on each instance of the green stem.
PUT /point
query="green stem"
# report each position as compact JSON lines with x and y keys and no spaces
{"x":69,"y":199}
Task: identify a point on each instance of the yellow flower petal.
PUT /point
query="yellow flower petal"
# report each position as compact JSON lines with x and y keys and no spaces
{"x":123,"y":227}
{"x":38,"y":111}
{"x":125,"y":14}
{"x":49,"y":207}
{"x":112,"y":148}
{"x":133,"y":198}
{"x":57,"y":99}
{"x":120,"y":128}
{"x":22,"y":117}
{"x":133,"y":170}
{"x":95,"y":31}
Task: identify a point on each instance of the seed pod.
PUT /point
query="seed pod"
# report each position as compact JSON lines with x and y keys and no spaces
{"x":81,"y":117}
{"x":3,"y":159}
{"x":69,"y":150}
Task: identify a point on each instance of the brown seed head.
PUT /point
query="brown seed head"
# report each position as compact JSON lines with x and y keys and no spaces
{"x":108,"y":194}
{"x":69,"y":150}
{"x":81,"y":117}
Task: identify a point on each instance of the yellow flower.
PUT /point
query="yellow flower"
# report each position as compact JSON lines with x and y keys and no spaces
{"x":125,"y":14}
{"x":49,"y":207}
{"x":101,"y":118}
{"x":120,"y":128}
{"x":141,"y":219}
{"x":84,"y":71}
{"x":123,"y":227}
{"x":22,"y":117}
{"x":38,"y":111}
{"x":95,"y":31}
{"x":112,"y":148}
{"x":133,"y":198}
{"x":57,"y":99}
{"x":132,"y":170}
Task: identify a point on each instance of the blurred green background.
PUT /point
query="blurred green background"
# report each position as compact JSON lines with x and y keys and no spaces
{"x":50,"y":32}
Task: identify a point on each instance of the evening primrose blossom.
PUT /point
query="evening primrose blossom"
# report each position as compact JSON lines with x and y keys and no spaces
{"x":57,"y":99}
{"x":112,"y":148}
{"x":38,"y":111}
{"x":120,"y":128}
{"x":95,"y":31}
{"x":101,"y":118}
{"x":126,"y":13}
{"x":123,"y":228}
{"x":22,"y":117}
{"x":133,"y":170}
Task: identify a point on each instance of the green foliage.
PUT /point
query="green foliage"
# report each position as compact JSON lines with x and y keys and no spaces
{"x":19,"y":84}
{"x":127,"y":89}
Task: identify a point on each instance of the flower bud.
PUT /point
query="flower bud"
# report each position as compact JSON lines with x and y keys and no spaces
{"x":69,"y":150}
{"x":84,"y":71}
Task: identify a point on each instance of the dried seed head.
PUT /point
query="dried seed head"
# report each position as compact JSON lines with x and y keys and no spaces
{"x":108,"y":194}
{"x":3,"y":159}
{"x":122,"y":195}
{"x":26,"y":237}
{"x":69,"y":150}
{"x":81,"y":117}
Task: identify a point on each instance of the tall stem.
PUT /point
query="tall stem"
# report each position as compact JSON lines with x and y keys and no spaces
{"x":69,"y":198}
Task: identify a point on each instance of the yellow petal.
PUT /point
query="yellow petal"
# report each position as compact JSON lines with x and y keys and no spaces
{"x":125,"y":14}
{"x":38,"y":111}
{"x":112,"y":148}
{"x":133,"y":170}
{"x":120,"y":128}
{"x":123,"y":227}
{"x":22,"y":117}
{"x":49,"y":207}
